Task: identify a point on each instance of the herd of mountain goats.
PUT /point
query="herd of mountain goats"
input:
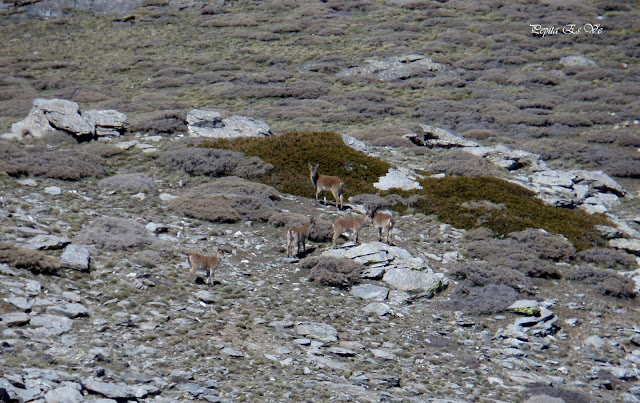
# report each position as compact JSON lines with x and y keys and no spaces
{"x":298,"y":234}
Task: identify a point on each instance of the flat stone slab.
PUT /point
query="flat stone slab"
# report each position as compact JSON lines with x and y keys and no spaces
{"x":412,"y":280}
{"x":319,"y":331}
{"x":628,"y":245}
{"x":14,"y":319}
{"x":377,"y":308}
{"x":370,"y":291}
{"x":47,"y":242}
{"x":397,"y":179}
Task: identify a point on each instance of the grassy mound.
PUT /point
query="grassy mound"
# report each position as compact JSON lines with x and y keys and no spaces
{"x":292,"y":151}
{"x":461,"y":202}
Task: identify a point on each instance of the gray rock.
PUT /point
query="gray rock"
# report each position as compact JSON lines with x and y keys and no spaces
{"x":34,"y":125}
{"x":377,"y":308}
{"x":384,"y":354}
{"x":374,"y":272}
{"x":58,"y":8}
{"x":50,"y":325}
{"x":206,"y":296}
{"x":76,"y":257}
{"x":576,"y":60}
{"x":437,"y":137}
{"x":232,"y":352}
{"x":370,"y":291}
{"x":70,"y":310}
{"x":384,"y":381}
{"x":109,"y":122}
{"x":53,"y":190}
{"x":205,"y":123}
{"x":64,"y":115}
{"x":20,"y":302}
{"x":65,"y":394}
{"x":109,"y":389}
{"x":553,"y":178}
{"x":14,"y":319}
{"x":47,"y":242}
{"x":319,"y":331}
{"x":628,"y":245}
{"x":598,"y":180}
{"x":397,"y":178}
{"x":394,"y":68}
{"x":525,"y":306}
{"x":27,"y":182}
{"x":411,"y":280}
{"x":594,"y":341}
{"x":342,"y":352}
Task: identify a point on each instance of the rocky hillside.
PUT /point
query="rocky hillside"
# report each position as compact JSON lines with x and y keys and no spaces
{"x":137,"y":135}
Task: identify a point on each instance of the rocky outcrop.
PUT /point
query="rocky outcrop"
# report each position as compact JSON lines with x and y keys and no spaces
{"x":207,"y":123}
{"x":394,"y":68}
{"x":50,"y":115}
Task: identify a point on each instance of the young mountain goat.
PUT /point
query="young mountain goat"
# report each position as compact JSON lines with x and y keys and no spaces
{"x":323,"y":183}
{"x":208,"y":263}
{"x":352,"y":225}
{"x":384,"y":223}
{"x":299,"y":234}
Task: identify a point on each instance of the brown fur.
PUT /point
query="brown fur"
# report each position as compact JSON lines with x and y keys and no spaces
{"x":208,"y":263}
{"x":384,"y":223}
{"x":323,"y":183}
{"x":298,"y":234}
{"x":349,"y":224}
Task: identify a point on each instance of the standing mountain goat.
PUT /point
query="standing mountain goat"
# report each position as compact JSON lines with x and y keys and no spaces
{"x":384,"y":223}
{"x":353,"y":225}
{"x":323,"y":183}
{"x":208,"y":263}
{"x":299,"y":234}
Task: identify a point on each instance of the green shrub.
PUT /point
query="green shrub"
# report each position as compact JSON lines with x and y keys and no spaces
{"x":290,"y":153}
{"x":449,"y":198}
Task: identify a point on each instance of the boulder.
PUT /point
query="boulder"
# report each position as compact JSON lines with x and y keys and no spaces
{"x":416,"y":281}
{"x":394,"y":68}
{"x":318,"y":331}
{"x":576,"y":60}
{"x":627,"y":245}
{"x":437,"y":137}
{"x":63,"y":115}
{"x":75,"y":257}
{"x":47,"y":242}
{"x":206,"y":123}
{"x":370,"y":291}
{"x":107,"y":123}
{"x":48,"y":115}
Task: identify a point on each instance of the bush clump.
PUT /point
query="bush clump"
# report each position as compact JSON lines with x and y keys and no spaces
{"x":544,"y":244}
{"x":334,"y":272}
{"x":491,"y":299}
{"x":510,"y":254}
{"x":35,"y":261}
{"x":451,"y":199}
{"x":39,"y":160}
{"x":609,"y":258}
{"x":290,"y":153}
{"x":135,"y":182}
{"x":114,"y":233}
{"x":607,"y":282}
{"x":227,"y":200}
{"x":214,"y":162}
{"x":482,"y":274}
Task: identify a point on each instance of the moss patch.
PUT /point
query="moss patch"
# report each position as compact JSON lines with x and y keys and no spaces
{"x":292,"y":151}
{"x":449,"y":198}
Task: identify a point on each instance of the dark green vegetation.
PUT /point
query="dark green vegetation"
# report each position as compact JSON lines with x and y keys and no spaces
{"x":462,"y":202}
{"x":291,"y":152}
